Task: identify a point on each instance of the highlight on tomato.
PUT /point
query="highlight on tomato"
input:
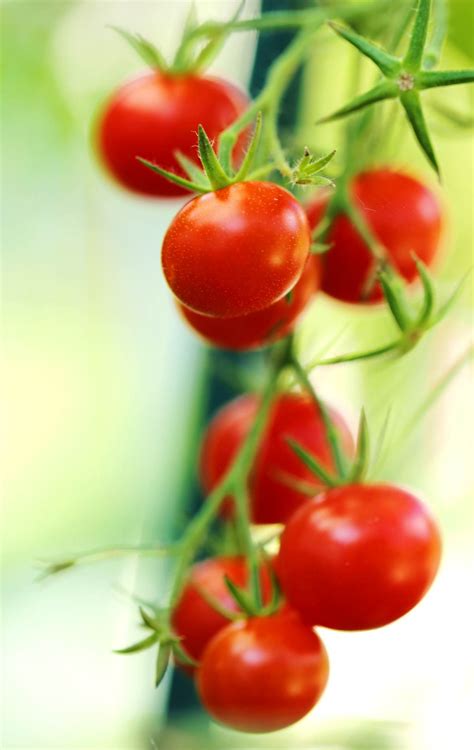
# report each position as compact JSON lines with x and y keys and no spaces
{"x":404,"y":215}
{"x":234,"y":251}
{"x":261,"y":328}
{"x":262,"y":674}
{"x":358,"y":557}
{"x":194,"y":619}
{"x":279,"y":482}
{"x":157,"y":114}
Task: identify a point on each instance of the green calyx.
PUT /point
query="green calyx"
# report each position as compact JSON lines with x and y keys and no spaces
{"x":405,"y":78}
{"x":215,"y":176}
{"x":349,"y":472}
{"x":169,"y":644}
{"x":195,"y":51}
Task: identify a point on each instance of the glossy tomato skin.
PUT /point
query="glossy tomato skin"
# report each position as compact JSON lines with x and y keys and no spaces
{"x":292,"y":415}
{"x":153,"y":116}
{"x":404,"y":215}
{"x":263,"y":674}
{"x":237,"y":250}
{"x":193,"y":618}
{"x":358,"y":557}
{"x":263,"y":327}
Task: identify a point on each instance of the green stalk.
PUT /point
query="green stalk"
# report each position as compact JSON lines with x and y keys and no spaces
{"x":230,"y":485}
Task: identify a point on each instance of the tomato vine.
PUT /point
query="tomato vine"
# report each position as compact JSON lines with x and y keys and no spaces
{"x":234,"y":257}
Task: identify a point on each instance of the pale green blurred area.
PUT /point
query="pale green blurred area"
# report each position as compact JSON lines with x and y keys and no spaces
{"x":104,"y":388}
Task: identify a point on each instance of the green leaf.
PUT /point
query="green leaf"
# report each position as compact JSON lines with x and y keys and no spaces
{"x":362,"y":451}
{"x":434,"y":79}
{"x":435,"y":45}
{"x":394,"y":292}
{"x":388,"y":64}
{"x":319,"y":248}
{"x":194,"y":172}
{"x":306,"y":170}
{"x":429,"y":293}
{"x":176,"y":179}
{"x":251,"y":150}
{"x":147,"y":642}
{"x":311,"y":463}
{"x":448,"y":304}
{"x":212,"y":166}
{"x":147,"y":51}
{"x":242,"y":597}
{"x":414,"y":55}
{"x":380,"y":92}
{"x":162,"y":661}
{"x":304,"y":488}
{"x":215,"y":604}
{"x":183,"y":655}
{"x":51,"y":569}
{"x":412,"y":106}
{"x":214,"y":46}
{"x":151,"y":622}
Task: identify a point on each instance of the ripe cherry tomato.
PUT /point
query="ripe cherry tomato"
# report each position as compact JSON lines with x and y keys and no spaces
{"x":193,"y":617}
{"x":403,"y":214}
{"x":273,"y":498}
{"x":263,"y":674}
{"x":237,"y":250}
{"x":155,"y":115}
{"x":358,"y":556}
{"x":264,"y":326}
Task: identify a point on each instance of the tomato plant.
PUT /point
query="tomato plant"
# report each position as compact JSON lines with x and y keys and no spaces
{"x":278,"y":477}
{"x":154,"y":116}
{"x":194,"y":619}
{"x":263,"y":327}
{"x":405,"y":217}
{"x":358,"y":556}
{"x":263,"y":674}
{"x":240,"y":260}
{"x":235,"y":251}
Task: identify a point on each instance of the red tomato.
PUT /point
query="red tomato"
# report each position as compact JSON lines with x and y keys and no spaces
{"x":293,"y":415}
{"x":263,"y":674}
{"x":193,"y":618}
{"x":358,"y":557}
{"x":403,"y":214}
{"x":155,"y":115}
{"x":237,"y":250}
{"x":264,"y":326}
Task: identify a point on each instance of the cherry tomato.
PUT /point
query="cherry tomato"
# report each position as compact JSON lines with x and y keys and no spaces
{"x":264,"y":326}
{"x":358,"y":557}
{"x":273,"y":494}
{"x":237,"y":250}
{"x":193,"y":618}
{"x":155,"y":115}
{"x":403,"y":214}
{"x":263,"y":674}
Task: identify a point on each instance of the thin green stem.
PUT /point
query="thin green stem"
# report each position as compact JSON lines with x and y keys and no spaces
{"x":340,"y":460}
{"x":393,"y":346}
{"x":105,"y":553}
{"x":230,"y":485}
{"x":268,"y":101}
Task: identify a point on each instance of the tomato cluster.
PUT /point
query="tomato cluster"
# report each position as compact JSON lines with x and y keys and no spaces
{"x":238,"y":259}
